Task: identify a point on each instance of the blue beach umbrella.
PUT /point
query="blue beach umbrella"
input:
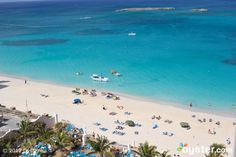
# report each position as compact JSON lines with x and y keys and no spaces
{"x":154,"y":126}
{"x":76,"y":101}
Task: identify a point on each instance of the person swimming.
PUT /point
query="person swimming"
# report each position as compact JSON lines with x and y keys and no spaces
{"x":79,"y":73}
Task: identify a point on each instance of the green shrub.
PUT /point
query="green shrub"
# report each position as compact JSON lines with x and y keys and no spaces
{"x":130,"y":123}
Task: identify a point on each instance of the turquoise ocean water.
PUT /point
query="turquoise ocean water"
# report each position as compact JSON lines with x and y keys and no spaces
{"x":177,"y":56}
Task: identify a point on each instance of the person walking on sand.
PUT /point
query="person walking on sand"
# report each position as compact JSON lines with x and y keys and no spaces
{"x":191,"y":105}
{"x":104,"y":108}
{"x":214,"y":131}
{"x":25,"y":81}
{"x":209,"y":131}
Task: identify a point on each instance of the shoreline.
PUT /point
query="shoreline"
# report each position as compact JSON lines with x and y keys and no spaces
{"x":140,"y":98}
{"x":60,"y":99}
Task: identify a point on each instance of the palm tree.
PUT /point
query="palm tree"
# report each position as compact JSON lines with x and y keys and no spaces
{"x":5,"y":145}
{"x":27,"y":144}
{"x":45,"y":136}
{"x":146,"y":150}
{"x":60,"y":126}
{"x":62,"y":140}
{"x":76,"y":143}
{"x":26,"y":129}
{"x":210,"y":155}
{"x":217,"y":150}
{"x":100,"y":145}
{"x":164,"y":154}
{"x":38,"y":126}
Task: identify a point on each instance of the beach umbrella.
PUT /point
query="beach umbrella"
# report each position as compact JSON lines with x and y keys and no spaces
{"x":77,"y":101}
{"x":154,"y":126}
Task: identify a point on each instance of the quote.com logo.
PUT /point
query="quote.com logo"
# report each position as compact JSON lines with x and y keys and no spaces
{"x":186,"y":149}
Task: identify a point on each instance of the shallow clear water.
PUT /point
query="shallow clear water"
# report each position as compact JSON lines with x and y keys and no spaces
{"x":179,"y":56}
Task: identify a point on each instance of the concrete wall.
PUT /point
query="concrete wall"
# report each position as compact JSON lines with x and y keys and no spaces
{"x":50,"y":121}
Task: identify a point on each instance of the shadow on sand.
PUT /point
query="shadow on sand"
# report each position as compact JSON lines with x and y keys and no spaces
{"x":3,"y":86}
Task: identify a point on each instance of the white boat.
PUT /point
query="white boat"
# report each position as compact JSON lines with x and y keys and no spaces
{"x":96,"y":77}
{"x":131,"y":34}
{"x":118,"y":74}
{"x":85,"y":18}
{"x":200,"y":10}
{"x":114,"y":72}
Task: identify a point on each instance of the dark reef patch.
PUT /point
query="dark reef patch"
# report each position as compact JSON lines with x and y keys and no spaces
{"x":231,"y":61}
{"x":34,"y":42}
{"x":96,"y":31}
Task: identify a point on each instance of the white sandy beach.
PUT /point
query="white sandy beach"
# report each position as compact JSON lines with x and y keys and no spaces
{"x":85,"y":115}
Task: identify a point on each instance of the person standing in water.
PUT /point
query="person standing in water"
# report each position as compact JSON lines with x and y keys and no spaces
{"x":191,"y":105}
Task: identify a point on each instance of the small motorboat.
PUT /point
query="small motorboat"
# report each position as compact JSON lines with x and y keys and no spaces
{"x":131,"y":34}
{"x":117,"y":74}
{"x":96,"y":77}
{"x":200,"y":10}
{"x":114,"y":72}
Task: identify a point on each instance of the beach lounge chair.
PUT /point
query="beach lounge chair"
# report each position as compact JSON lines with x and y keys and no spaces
{"x":97,"y":124}
{"x":103,"y":93}
{"x":112,"y":113}
{"x":92,"y":94}
{"x":158,"y":118}
{"x":116,"y":98}
{"x":103,"y":129}
{"x":165,"y":133}
{"x":200,"y":120}
{"x":76,"y":92}
{"x":119,"y":127}
{"x":171,"y":134}
{"x":127,"y":113}
{"x":108,"y":96}
{"x":85,"y":92}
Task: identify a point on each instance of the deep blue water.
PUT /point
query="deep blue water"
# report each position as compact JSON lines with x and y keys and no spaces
{"x":178,"y":56}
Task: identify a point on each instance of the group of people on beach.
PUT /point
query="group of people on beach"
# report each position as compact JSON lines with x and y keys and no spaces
{"x":213,"y":132}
